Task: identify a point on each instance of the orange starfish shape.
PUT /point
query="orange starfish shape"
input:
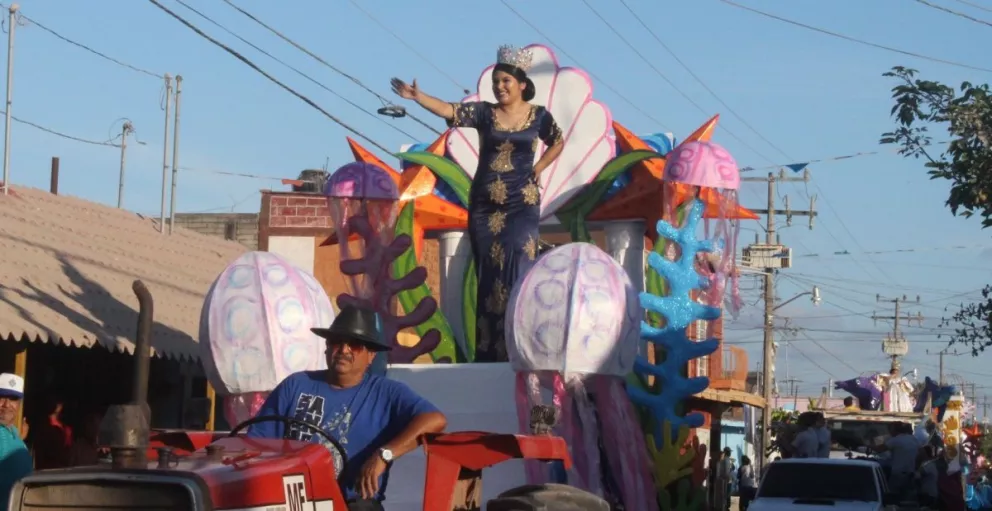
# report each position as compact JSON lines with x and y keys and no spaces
{"x":416,"y":184}
{"x":642,"y":198}
{"x":973,"y":431}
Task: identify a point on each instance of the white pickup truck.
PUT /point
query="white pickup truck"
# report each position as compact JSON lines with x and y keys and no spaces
{"x":812,"y":484}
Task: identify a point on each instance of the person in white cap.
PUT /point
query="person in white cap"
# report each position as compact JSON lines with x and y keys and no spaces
{"x":15,"y":460}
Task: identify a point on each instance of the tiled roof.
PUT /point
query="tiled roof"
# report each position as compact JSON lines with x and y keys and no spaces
{"x":66,"y":268}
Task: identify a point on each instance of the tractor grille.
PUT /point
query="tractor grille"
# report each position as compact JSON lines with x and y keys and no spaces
{"x":104,"y":495}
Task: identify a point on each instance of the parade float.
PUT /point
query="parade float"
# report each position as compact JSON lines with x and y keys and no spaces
{"x":595,"y":335}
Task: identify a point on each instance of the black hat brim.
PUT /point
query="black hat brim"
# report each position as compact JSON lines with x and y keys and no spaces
{"x":332,"y":334}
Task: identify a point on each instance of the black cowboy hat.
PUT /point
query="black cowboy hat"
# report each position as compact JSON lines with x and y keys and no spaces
{"x":355,"y":324}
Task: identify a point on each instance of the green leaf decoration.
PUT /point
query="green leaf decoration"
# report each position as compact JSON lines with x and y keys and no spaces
{"x":409,"y":299}
{"x":573,"y":214}
{"x":443,"y":168}
{"x":469,"y":307}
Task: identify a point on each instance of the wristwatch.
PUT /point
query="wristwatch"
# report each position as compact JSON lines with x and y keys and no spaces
{"x":386,"y":454}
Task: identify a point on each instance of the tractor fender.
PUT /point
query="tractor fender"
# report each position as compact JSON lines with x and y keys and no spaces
{"x":547,"y":497}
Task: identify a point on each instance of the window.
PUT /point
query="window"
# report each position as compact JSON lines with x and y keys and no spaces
{"x":820,"y":481}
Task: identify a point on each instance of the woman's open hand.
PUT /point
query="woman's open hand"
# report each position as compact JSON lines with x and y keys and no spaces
{"x":404,"y":90}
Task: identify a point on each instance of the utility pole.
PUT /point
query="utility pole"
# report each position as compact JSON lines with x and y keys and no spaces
{"x":165,"y":150}
{"x":794,"y":391}
{"x":985,"y":409}
{"x":896,"y":345}
{"x":126,"y":130}
{"x":175,"y":153}
{"x":11,"y":23}
{"x":770,"y":257}
{"x":941,"y":354}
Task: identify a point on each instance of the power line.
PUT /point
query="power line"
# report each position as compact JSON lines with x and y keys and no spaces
{"x":325,"y":63}
{"x":700,"y":80}
{"x":856,"y":40}
{"x":410,"y":47}
{"x":234,"y":174}
{"x":666,"y":79}
{"x":297,"y":71}
{"x":106,"y":143}
{"x":972,"y":4}
{"x":956,"y":13}
{"x":87,"y":48}
{"x":637,"y":108}
{"x":270,"y":77}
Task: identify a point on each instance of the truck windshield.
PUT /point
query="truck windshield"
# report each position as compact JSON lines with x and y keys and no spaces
{"x":819,"y":481}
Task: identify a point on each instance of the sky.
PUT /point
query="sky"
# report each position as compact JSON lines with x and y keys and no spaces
{"x":813,"y":96}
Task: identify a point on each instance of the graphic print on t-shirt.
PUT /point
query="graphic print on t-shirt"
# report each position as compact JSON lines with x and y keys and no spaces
{"x":310,"y":409}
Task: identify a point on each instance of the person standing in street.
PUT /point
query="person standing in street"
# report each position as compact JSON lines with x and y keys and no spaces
{"x":15,"y":460}
{"x":747,"y":486}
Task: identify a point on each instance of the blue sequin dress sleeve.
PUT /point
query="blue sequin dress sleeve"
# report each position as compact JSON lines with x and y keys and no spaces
{"x":503,"y":212}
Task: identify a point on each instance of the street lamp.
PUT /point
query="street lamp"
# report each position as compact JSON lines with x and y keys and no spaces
{"x":814,"y":297}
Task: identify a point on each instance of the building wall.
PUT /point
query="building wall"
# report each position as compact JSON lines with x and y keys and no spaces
{"x":297,"y":226}
{"x":241,"y":227}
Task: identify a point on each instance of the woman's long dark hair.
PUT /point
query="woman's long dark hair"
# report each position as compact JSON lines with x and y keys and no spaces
{"x":521,"y":76}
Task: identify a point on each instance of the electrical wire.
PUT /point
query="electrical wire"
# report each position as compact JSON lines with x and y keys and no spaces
{"x":955,"y":13}
{"x":87,"y":48}
{"x":856,"y":40}
{"x":325,"y":63}
{"x":252,"y":65}
{"x":658,"y":72}
{"x":698,"y":79}
{"x":972,"y":4}
{"x":234,"y":174}
{"x":60,"y":134}
{"x":297,"y":71}
{"x":637,"y":108}
{"x":410,"y":47}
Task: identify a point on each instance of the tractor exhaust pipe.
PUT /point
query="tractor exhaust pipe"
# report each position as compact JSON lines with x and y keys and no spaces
{"x":126,"y":428}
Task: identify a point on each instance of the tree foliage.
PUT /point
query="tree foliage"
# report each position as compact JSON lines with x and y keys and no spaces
{"x":965,"y":115}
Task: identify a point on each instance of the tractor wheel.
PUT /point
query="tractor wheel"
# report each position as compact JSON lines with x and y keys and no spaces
{"x":547,"y":497}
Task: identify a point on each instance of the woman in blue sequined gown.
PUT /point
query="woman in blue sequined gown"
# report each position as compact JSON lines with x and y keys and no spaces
{"x":505,"y":198}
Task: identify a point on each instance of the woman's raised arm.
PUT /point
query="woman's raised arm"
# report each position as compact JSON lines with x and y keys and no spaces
{"x":433,"y":105}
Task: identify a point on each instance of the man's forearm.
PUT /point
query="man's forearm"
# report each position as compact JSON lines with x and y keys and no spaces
{"x":406,"y":441}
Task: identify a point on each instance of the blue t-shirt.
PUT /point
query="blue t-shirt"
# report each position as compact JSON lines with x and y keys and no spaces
{"x":15,"y":461}
{"x":362,"y":418}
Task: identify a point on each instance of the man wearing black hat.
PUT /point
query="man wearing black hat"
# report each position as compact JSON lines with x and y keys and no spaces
{"x":374,"y":418}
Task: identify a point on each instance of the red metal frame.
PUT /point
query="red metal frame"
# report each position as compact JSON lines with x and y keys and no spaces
{"x":447,"y":454}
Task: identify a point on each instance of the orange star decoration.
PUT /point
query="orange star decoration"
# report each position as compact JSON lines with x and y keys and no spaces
{"x":642,"y":198}
{"x":430,"y":212}
{"x":973,"y":431}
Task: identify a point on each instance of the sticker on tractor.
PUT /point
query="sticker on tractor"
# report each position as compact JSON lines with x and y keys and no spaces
{"x":295,"y":488}
{"x":296,"y":493}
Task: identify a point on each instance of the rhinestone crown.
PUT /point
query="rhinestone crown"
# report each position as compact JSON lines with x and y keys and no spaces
{"x":520,"y":58}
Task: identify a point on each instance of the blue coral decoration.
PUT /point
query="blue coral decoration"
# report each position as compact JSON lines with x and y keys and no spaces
{"x":679,"y":311}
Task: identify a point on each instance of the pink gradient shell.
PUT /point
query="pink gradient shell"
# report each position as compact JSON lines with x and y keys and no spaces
{"x":574,"y":312}
{"x":586,"y":126}
{"x":702,"y":164}
{"x":255,"y":324}
{"x":360,"y":180}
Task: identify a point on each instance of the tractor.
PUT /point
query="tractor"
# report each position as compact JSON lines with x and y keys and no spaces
{"x":179,"y":470}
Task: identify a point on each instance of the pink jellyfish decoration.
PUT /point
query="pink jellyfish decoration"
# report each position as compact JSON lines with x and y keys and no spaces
{"x":573,"y":327}
{"x":708,"y":172}
{"x":255,"y":330}
{"x":363,"y":199}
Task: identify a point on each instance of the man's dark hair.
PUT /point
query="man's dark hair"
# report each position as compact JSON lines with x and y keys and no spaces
{"x":848,"y":401}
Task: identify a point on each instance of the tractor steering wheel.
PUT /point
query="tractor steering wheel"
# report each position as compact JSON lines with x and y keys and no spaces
{"x":338,"y":453}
